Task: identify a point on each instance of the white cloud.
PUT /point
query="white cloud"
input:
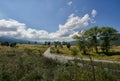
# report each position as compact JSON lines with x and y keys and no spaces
{"x":13,"y":28}
{"x":92,"y":20}
{"x":68,"y":29}
{"x":69,"y":3}
{"x":74,"y":22}
{"x":93,"y":13}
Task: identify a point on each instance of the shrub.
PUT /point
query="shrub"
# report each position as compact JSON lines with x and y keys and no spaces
{"x":12,"y":44}
{"x":55,"y":45}
{"x":4,"y":43}
{"x":57,"y":50}
{"x":74,"y":51}
{"x":68,"y":45}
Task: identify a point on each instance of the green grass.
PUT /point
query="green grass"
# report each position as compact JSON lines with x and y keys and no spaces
{"x":74,"y":51}
{"x":26,"y":63}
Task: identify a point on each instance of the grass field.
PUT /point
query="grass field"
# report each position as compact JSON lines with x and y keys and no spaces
{"x":74,"y":51}
{"x":26,"y":63}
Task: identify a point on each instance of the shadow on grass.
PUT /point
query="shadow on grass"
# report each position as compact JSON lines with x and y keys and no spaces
{"x":113,"y":53}
{"x":110,"y":53}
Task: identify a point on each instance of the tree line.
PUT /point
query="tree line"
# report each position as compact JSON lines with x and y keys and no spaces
{"x":96,"y":37}
{"x":8,"y":44}
{"x":59,"y":44}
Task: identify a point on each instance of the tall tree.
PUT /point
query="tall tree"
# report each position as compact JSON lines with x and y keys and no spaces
{"x":93,"y":34}
{"x":107,"y":34}
{"x":81,"y":42}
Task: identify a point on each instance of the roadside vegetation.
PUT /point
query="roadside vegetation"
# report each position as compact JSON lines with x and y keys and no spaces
{"x":74,"y":51}
{"x":95,"y":42}
{"x":25,"y":62}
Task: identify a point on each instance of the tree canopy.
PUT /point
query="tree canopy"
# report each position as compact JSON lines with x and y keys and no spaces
{"x":96,"y":36}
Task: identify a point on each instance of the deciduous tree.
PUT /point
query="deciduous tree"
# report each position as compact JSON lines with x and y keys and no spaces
{"x":107,"y":34}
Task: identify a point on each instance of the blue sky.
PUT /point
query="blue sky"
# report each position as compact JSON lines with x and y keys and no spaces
{"x":42,"y":20}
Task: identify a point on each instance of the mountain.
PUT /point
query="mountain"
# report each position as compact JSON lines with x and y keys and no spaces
{"x":10,"y":39}
{"x":72,"y":42}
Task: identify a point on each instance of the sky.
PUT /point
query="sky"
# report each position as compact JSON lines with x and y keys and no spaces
{"x":53,"y":20}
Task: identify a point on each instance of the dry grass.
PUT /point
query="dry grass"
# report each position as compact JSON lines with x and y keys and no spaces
{"x":26,"y":63}
{"x":114,"y":53}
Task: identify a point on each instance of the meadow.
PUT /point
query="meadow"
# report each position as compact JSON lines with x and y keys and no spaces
{"x":25,"y":62}
{"x":114,"y":54}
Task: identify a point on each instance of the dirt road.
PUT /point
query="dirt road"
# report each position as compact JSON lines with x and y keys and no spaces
{"x":64,"y":59}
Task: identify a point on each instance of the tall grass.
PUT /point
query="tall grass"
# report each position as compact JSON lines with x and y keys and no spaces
{"x":74,"y":51}
{"x":28,"y":64}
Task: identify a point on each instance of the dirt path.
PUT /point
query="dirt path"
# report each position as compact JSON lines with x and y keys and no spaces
{"x":64,"y":59}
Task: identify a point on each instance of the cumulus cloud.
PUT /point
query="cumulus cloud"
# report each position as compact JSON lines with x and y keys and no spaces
{"x":13,"y":28}
{"x":73,"y":22}
{"x":69,"y":3}
{"x":93,"y":13}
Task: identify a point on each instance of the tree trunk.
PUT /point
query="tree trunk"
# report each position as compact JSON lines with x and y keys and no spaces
{"x":96,"y":49}
{"x":107,"y":45}
{"x":84,"y":51}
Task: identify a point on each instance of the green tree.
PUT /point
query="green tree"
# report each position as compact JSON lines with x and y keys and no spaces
{"x":92,"y":35}
{"x":82,"y":42}
{"x":13,"y":44}
{"x":68,"y":45}
{"x":107,"y":34}
{"x":35,"y":42}
{"x":4,"y":43}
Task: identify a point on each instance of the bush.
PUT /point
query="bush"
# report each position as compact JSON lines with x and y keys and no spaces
{"x":74,"y":51}
{"x":57,"y":51}
{"x":12,"y":44}
{"x":55,"y":45}
{"x":4,"y":43}
{"x":68,"y":45}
